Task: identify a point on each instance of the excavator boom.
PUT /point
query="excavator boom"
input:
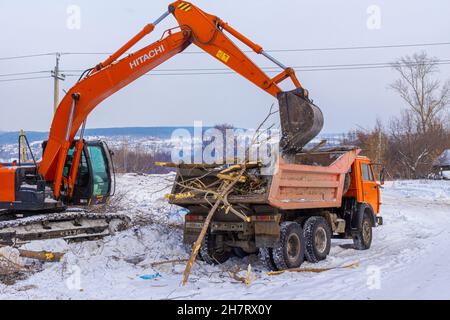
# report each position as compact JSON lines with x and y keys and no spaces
{"x":300,"y":119}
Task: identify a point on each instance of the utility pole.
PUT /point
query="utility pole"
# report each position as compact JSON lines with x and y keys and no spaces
{"x":23,"y":147}
{"x":57,"y":76}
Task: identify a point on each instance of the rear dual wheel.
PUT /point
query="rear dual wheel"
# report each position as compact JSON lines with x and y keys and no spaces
{"x":317,"y":233}
{"x":290,"y":251}
{"x":212,"y":252}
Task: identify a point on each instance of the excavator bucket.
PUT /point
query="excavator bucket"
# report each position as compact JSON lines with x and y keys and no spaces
{"x":301,"y":121}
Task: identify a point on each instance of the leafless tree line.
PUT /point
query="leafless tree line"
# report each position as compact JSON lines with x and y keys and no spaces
{"x":409,"y":144}
{"x":138,"y":160}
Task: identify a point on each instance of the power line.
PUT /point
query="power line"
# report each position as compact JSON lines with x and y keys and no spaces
{"x":22,"y":73}
{"x":298,"y":68}
{"x":225,"y":71}
{"x":389,"y":46}
{"x":364,"y":47}
{"x":28,"y":56}
{"x":267,"y":68}
{"x":272,"y":71}
{"x":22,"y":79}
{"x":358,"y":68}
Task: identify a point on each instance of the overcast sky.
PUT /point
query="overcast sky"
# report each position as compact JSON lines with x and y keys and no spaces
{"x":348,"y":98}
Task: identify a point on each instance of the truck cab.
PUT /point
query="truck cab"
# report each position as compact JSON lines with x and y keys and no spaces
{"x":366,"y":179}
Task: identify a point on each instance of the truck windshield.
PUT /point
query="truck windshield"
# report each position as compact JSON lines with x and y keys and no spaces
{"x":99,"y":171}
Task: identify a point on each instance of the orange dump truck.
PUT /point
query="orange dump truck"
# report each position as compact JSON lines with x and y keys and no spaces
{"x":290,"y":214}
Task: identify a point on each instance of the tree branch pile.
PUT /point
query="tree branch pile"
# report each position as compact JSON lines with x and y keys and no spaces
{"x":205,"y":182}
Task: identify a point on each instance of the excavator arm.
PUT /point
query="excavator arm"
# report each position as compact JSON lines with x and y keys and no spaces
{"x":300,"y":119}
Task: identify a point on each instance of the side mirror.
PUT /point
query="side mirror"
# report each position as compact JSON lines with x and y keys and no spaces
{"x":382,"y":176}
{"x":379,"y":172}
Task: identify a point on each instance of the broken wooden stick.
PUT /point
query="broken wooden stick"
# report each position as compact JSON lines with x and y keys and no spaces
{"x":176,"y":261}
{"x":314,"y":270}
{"x":45,"y":256}
{"x":247,"y":280}
{"x":185,"y":165}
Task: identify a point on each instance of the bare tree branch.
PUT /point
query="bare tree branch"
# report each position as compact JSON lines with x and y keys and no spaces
{"x":423,"y":94}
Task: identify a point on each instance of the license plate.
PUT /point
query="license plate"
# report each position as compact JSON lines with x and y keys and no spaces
{"x":194,"y":225}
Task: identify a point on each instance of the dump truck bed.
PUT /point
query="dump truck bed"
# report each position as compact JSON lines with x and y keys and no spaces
{"x":313,"y":180}
{"x":305,"y":181}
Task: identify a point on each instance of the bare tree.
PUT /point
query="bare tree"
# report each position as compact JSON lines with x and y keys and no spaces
{"x":419,"y":88}
{"x":411,"y":154}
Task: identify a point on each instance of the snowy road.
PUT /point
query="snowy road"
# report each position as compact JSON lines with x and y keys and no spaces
{"x":409,"y":259}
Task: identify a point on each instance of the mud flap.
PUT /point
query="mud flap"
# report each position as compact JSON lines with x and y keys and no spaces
{"x":301,"y":121}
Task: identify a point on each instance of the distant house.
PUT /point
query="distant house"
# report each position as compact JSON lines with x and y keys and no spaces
{"x":442,"y":165}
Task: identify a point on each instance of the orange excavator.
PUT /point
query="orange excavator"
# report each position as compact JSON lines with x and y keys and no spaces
{"x":74,"y":172}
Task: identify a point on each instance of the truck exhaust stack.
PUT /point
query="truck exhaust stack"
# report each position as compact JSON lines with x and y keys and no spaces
{"x":301,"y":121}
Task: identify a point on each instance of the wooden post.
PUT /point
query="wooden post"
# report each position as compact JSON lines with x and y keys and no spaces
{"x":228,"y":186}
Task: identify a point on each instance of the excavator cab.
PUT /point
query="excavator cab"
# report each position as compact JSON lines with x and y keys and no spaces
{"x":95,"y":181}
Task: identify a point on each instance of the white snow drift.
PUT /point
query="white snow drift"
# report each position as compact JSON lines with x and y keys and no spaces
{"x":410,"y":256}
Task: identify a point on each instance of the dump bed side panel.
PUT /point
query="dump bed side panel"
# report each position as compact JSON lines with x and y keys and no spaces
{"x":298,"y":186}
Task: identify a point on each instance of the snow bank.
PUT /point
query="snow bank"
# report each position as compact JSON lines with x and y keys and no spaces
{"x":420,"y":189}
{"x":409,"y":258}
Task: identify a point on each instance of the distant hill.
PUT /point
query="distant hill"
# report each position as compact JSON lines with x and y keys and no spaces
{"x":161,"y":133}
{"x":157,"y":132}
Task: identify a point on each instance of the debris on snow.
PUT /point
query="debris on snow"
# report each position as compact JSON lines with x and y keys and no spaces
{"x":151,"y":276}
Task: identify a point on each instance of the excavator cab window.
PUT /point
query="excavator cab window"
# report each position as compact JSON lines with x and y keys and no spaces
{"x":100,"y":173}
{"x":83,"y":170}
{"x":94,"y":177}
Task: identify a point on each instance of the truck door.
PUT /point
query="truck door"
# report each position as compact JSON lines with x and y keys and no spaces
{"x":371,"y":189}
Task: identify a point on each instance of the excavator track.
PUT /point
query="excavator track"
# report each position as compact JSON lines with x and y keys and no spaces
{"x":68,"y":225}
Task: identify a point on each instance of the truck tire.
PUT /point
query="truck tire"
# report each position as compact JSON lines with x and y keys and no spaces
{"x":211,"y":254}
{"x":290,"y":252}
{"x":266,"y":256}
{"x":317,"y":235}
{"x":363,"y":239}
{"x":240,"y":253}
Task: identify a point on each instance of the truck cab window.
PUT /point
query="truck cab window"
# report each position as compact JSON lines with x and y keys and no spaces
{"x":366,"y":172}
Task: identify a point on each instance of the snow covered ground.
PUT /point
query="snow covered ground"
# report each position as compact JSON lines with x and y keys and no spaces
{"x":409,"y":259}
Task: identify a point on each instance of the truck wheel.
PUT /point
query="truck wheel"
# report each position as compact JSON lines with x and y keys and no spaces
{"x":363,"y":239}
{"x":290,"y":252}
{"x":317,"y":234}
{"x":266,"y":256}
{"x":211,"y":253}
{"x":240,"y":253}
